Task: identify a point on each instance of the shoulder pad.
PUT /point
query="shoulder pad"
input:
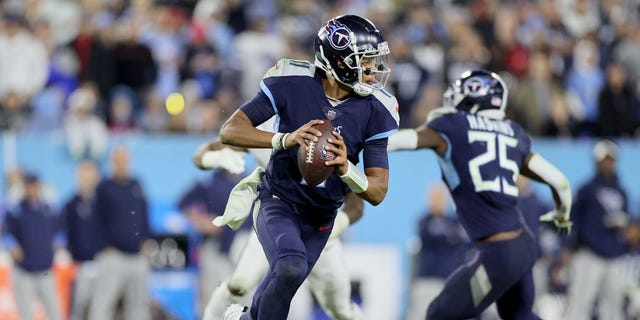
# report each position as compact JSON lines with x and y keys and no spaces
{"x":389,"y":102}
{"x":290,"y":67}
{"x":439,"y":112}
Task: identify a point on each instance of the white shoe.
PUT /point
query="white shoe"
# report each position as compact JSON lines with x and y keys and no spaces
{"x":234,"y":312}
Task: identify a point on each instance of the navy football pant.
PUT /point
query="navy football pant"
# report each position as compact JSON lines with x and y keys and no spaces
{"x":292,"y":243}
{"x":500,"y":273}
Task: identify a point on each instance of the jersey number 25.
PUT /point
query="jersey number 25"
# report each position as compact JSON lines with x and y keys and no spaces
{"x":500,"y":183}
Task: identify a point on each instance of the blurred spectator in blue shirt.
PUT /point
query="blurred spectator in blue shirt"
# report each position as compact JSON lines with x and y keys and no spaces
{"x":30,"y":232}
{"x":584,"y":82}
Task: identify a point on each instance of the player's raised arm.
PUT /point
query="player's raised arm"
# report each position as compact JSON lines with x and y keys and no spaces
{"x":541,"y":170}
{"x":421,"y":137}
{"x":239,"y":131}
{"x":215,"y":155}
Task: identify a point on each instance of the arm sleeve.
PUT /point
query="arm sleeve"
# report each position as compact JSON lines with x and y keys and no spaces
{"x":8,"y":231}
{"x":146,"y":229}
{"x":261,"y":107}
{"x":381,"y":125}
{"x":375,"y":154}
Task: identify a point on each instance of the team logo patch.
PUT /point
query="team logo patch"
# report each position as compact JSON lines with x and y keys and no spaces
{"x":475,"y":87}
{"x":338,"y":35}
{"x":331,"y":114}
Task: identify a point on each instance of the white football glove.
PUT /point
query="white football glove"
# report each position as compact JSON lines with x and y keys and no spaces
{"x":240,"y":201}
{"x":560,"y":219}
{"x":226,"y":159}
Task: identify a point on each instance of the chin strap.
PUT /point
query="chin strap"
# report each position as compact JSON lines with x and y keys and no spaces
{"x":362,"y":90}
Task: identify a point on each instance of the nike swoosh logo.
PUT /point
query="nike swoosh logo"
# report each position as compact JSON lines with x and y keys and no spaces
{"x":324,"y":228}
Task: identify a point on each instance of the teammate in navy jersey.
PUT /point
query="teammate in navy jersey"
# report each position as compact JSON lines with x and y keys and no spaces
{"x":481,"y":155}
{"x":345,"y":86}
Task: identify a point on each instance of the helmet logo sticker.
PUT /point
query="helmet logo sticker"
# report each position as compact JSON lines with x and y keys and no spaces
{"x":338,"y":34}
{"x":475,"y":87}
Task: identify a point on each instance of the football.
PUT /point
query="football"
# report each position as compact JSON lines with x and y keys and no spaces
{"x":311,"y":161}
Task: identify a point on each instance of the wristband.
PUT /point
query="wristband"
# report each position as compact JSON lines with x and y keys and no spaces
{"x":355,"y":179}
{"x":276,"y":141}
{"x":283,"y":141}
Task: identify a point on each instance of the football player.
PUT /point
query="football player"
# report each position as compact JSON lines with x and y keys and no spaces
{"x":345,"y":86}
{"x":481,"y":154}
{"x":328,"y":281}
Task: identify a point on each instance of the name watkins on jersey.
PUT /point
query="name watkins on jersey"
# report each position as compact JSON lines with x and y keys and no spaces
{"x":487,"y":124}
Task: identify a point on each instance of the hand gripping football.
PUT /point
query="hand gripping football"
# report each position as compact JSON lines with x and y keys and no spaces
{"x":311,"y":161}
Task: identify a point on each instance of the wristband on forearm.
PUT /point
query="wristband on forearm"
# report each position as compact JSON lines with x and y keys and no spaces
{"x":355,"y":179}
{"x":278,"y":141}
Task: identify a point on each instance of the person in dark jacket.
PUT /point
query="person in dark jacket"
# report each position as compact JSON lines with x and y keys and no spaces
{"x":122,"y":211}
{"x":600,"y":219}
{"x":201,"y":203}
{"x":84,"y":236}
{"x":617,"y":116}
{"x":443,"y":247}
{"x":30,"y":231}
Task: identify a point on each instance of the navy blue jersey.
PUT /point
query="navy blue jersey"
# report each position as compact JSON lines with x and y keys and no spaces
{"x":121,"y":207}
{"x":292,"y":90}
{"x":480,"y":167}
{"x":33,"y":226}
{"x":82,"y":224}
{"x":443,"y":246}
{"x":596,"y":205}
{"x":213,"y":194}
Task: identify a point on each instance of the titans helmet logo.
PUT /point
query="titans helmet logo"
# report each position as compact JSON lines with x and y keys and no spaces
{"x":338,"y":35}
{"x":475,"y":87}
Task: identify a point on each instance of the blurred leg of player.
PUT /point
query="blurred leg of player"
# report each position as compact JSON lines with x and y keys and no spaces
{"x":587,"y":274}
{"x":24,"y":291}
{"x":48,"y":294}
{"x":517,"y":302}
{"x":422,"y":292}
{"x":474,"y":286}
{"x":331,"y":285}
{"x":215,"y":267}
{"x":83,"y":286}
{"x":250,"y":269}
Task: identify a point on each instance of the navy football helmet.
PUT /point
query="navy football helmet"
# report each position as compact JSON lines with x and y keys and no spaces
{"x":478,"y":91}
{"x":349,"y":46}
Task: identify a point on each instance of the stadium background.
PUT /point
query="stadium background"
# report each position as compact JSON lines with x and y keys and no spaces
{"x":204,"y":67}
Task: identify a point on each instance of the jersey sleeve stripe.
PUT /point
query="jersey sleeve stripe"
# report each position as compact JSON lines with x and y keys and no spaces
{"x":382,"y":135}
{"x":266,"y":91}
{"x":448,"y":170}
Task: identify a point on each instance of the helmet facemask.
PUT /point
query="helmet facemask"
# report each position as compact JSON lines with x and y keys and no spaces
{"x":372,"y":68}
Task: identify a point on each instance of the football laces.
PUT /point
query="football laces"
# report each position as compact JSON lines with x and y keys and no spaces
{"x":312,"y":146}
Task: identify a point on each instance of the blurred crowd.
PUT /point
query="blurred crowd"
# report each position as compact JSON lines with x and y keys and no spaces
{"x":93,"y":68}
